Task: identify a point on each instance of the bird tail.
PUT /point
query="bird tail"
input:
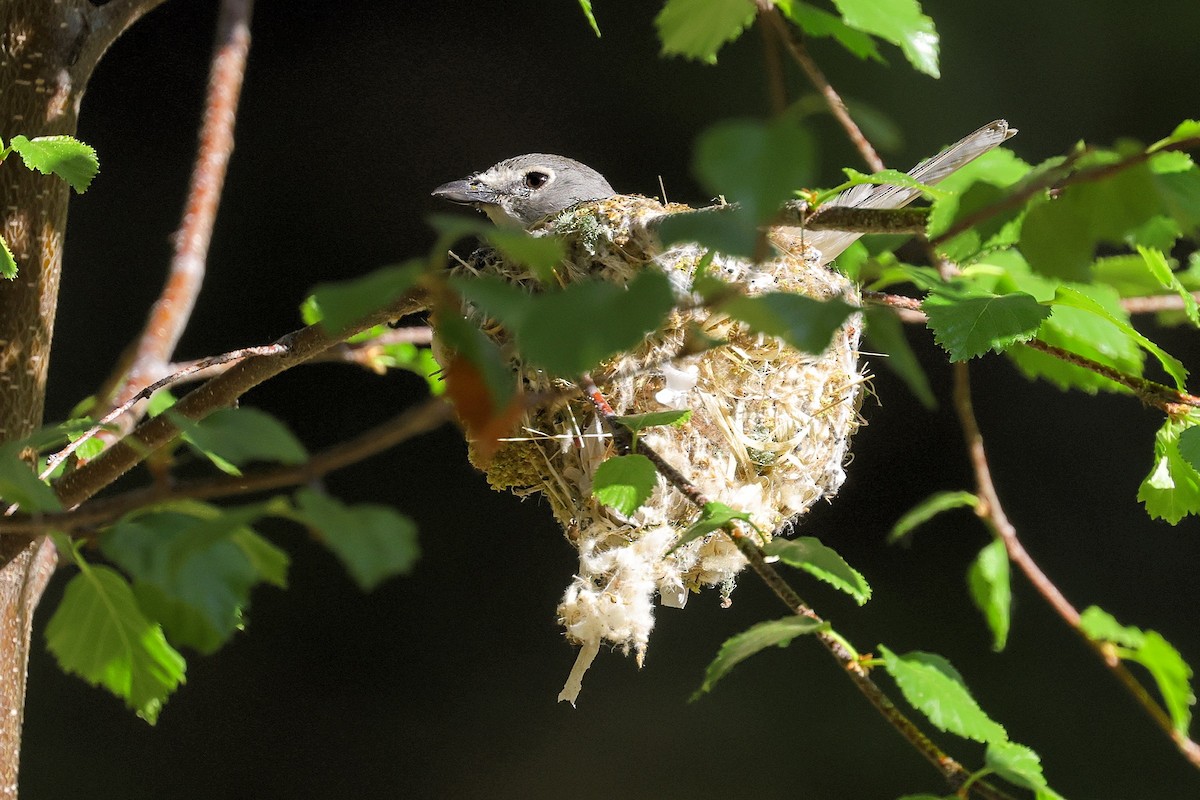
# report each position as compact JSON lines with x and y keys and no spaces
{"x":929,"y":172}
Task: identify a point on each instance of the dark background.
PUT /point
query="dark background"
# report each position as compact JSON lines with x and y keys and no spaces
{"x":443,"y":684}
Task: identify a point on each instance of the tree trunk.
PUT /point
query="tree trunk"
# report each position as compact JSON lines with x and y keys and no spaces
{"x":47,"y":50}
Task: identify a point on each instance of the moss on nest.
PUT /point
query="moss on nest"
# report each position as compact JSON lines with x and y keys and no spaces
{"x":768,"y":434}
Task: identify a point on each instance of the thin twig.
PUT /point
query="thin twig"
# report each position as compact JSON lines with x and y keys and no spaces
{"x":954,"y":773}
{"x":1168,"y":400}
{"x":992,"y":514}
{"x":171,"y":312}
{"x":818,"y":80}
{"x":407,"y":425}
{"x":222,"y":391}
{"x":1154,"y":303}
{"x":196,"y":367}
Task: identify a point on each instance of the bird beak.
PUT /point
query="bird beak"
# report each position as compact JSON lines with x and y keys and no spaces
{"x":467,"y":192}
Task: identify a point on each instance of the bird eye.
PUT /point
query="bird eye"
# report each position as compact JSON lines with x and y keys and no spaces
{"x":535,"y":179}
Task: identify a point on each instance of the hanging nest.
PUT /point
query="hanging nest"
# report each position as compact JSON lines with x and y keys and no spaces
{"x":768,"y":434}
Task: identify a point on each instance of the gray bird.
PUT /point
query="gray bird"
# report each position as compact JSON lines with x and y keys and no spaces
{"x":527,"y":188}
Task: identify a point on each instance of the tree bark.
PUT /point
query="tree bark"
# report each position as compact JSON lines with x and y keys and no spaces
{"x":47,"y":51}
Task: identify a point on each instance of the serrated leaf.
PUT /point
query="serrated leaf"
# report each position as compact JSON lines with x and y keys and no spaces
{"x":809,"y":554}
{"x":936,"y":689}
{"x":1016,"y":763}
{"x":8,"y":264}
{"x":1189,"y":446}
{"x":1171,"y":673}
{"x":1066,"y":296}
{"x":714,"y":516}
{"x":343,"y":303}
{"x":189,"y":574}
{"x":988,"y":580}
{"x":968,"y":322}
{"x":817,"y":22}
{"x":586,"y":6}
{"x":20,"y":484}
{"x":68,"y":158}
{"x":758,"y":165}
{"x":699,"y":28}
{"x":238,"y":436}
{"x":98,"y":633}
{"x":929,"y":508}
{"x":373,"y":542}
{"x":885,"y":332}
{"x":1156,"y":262}
{"x":804,"y":323}
{"x":639,"y":422}
{"x":900,"y":22}
{"x":736,"y":649}
{"x":624,"y":483}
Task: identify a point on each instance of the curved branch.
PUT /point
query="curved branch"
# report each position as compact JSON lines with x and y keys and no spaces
{"x":992,"y":514}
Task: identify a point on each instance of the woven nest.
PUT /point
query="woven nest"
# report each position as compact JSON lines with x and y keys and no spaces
{"x":768,"y":434}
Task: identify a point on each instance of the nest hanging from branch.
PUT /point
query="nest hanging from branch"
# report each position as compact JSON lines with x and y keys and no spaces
{"x":768,"y":434}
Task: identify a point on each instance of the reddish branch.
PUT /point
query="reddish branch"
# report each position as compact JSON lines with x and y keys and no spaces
{"x":171,"y":312}
{"x":992,"y":514}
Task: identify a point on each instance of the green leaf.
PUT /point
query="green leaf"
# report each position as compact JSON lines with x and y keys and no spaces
{"x":572,"y":330}
{"x":899,"y":22}
{"x":698,"y":28}
{"x":68,"y":158}
{"x":819,"y":23}
{"x":808,"y":554}
{"x":759,"y":165}
{"x":1188,"y":129}
{"x":639,"y":422}
{"x":988,"y":580}
{"x":714,"y":516}
{"x":969,"y":322}
{"x":731,"y":231}
{"x":1156,"y":262}
{"x":625,"y":482}
{"x":20,"y":484}
{"x":540,"y":253}
{"x":736,"y":649}
{"x":586,"y":5}
{"x":189,"y":572}
{"x":1085,"y":334}
{"x":1172,"y":489}
{"x":373,"y":542}
{"x":98,"y":633}
{"x":238,"y":436}
{"x":929,"y":508}
{"x":1098,"y":624}
{"x":886,"y":334}
{"x":1189,"y":446}
{"x":1171,"y":673}
{"x":1066,"y":296}
{"x":804,"y":323}
{"x":344,"y":303}
{"x":936,"y":689}
{"x":8,"y":264}
{"x":267,"y":560}
{"x":1016,"y":763}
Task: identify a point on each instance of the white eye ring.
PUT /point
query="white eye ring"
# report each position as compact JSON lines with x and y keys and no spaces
{"x":536,"y":178}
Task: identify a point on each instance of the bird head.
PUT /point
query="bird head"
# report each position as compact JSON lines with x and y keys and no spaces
{"x":523,"y":190}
